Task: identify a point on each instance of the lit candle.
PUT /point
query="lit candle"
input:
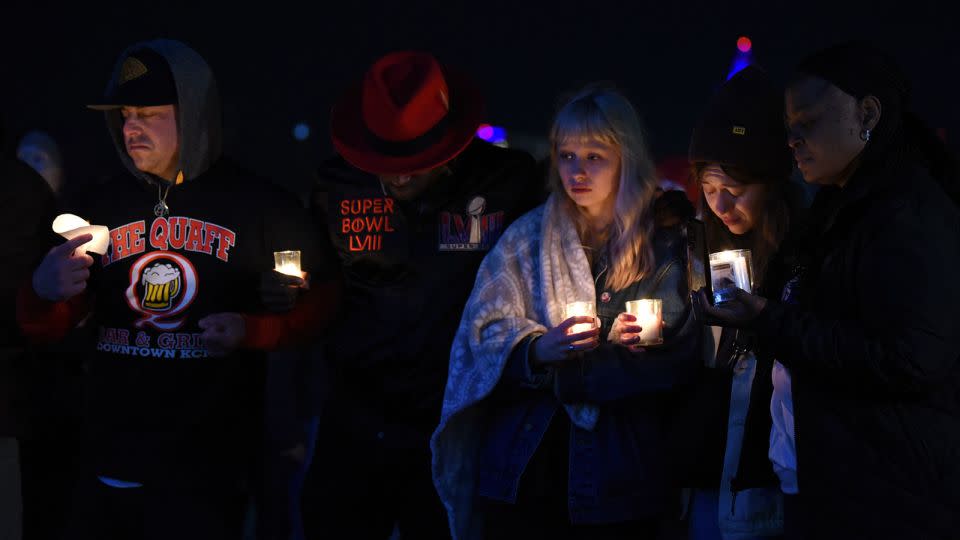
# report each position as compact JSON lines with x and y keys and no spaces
{"x":287,"y":262}
{"x":649,"y":314}
{"x":70,"y":226}
{"x":735,"y":266}
{"x":581,"y":309}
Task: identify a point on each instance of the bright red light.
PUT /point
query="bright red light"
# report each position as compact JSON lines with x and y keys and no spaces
{"x":744,"y":44}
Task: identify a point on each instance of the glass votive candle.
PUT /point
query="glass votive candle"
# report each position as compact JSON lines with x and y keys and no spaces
{"x":729,"y":270}
{"x":287,"y":262}
{"x":649,"y":314}
{"x":581,"y":309}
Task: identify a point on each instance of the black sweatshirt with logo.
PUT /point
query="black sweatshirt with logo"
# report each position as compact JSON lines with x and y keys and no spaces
{"x":161,"y":411}
{"x":408,"y":269}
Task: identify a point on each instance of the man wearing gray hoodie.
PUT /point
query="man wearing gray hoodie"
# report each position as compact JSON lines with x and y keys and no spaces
{"x":178,"y":306}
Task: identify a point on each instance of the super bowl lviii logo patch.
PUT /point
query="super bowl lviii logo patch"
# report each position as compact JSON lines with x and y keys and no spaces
{"x":162,"y":286}
{"x":476,"y":230}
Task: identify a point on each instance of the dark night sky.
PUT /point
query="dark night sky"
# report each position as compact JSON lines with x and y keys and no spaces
{"x":277,"y":65}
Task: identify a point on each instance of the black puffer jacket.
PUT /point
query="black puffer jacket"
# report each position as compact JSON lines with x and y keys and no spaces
{"x":873,"y":350}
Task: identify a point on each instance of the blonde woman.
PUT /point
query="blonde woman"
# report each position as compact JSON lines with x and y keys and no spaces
{"x":549,"y":432}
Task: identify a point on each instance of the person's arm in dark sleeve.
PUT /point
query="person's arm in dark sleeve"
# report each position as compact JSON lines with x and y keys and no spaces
{"x":289,"y":228}
{"x":43,"y":321}
{"x":612,"y":372}
{"x":312,"y":314}
{"x":29,"y":207}
{"x":907,"y":338}
{"x":27,"y":219}
{"x":521,"y":370}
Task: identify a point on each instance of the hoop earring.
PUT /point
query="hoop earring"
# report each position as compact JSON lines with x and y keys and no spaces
{"x":865,"y":135}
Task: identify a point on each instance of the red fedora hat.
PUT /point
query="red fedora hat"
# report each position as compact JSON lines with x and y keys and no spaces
{"x":408,"y":114}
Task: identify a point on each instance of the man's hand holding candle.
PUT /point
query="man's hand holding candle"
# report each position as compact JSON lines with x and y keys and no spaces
{"x":279,"y":292}
{"x":64,"y":271}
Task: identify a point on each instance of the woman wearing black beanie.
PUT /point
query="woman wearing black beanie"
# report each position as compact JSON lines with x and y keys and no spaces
{"x":739,"y":156}
{"x":873,"y":340}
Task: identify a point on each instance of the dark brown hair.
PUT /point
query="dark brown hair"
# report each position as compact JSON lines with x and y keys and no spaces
{"x":771,"y":225}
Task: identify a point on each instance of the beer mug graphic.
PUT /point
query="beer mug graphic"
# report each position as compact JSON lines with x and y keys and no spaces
{"x":161,"y":285}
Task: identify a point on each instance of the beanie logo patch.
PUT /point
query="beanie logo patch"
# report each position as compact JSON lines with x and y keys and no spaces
{"x":739,"y":130}
{"x":132,"y":69}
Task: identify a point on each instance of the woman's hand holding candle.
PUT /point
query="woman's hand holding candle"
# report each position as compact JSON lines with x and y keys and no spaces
{"x":626,"y":332}
{"x":739,"y":311}
{"x":558,"y":344}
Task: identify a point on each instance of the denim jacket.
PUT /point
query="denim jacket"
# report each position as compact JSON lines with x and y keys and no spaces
{"x":617,"y":471}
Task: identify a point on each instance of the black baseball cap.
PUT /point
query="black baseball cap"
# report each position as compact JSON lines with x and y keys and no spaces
{"x":144,"y":80}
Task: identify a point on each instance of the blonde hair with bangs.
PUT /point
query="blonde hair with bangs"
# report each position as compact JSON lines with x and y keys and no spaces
{"x":605,"y":115}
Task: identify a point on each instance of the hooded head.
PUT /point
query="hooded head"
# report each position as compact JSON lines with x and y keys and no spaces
{"x":163,"y":111}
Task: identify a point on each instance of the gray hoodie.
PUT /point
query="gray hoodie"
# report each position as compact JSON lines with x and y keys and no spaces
{"x":198,"y":109}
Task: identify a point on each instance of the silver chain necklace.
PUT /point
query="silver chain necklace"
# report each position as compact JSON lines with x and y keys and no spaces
{"x":161,"y":209}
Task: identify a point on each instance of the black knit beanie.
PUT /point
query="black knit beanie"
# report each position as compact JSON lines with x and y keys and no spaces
{"x":743,"y":128}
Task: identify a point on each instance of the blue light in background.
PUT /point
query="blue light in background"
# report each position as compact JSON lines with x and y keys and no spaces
{"x":492,"y":134}
{"x":743,"y":57}
{"x":301,"y":131}
{"x":740,"y":62}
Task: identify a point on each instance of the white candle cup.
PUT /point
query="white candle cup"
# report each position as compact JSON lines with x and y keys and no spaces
{"x":730,"y":270}
{"x":287,"y":262}
{"x":70,"y":226}
{"x":649,"y":314}
{"x":581,"y":309}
